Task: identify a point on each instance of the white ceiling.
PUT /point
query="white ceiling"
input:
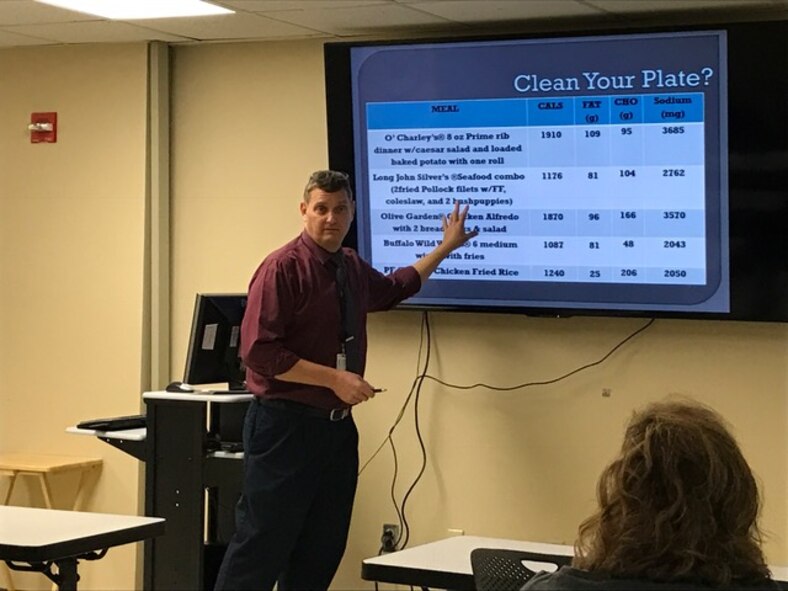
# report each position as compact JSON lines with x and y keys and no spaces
{"x":27,"y":22}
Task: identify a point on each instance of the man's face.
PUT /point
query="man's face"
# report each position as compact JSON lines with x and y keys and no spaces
{"x":327,"y":217}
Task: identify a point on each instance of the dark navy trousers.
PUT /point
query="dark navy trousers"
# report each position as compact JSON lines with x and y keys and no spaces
{"x":292,"y":519}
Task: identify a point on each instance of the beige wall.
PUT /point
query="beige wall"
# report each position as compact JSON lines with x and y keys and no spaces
{"x":248,"y":126}
{"x":72,"y":228}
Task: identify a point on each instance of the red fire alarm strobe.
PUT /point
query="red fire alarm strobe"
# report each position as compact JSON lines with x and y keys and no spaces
{"x":43,"y":128}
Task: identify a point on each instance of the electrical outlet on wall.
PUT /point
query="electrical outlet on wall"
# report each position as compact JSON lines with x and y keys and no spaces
{"x":389,"y":537}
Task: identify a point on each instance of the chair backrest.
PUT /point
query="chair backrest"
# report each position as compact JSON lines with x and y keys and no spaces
{"x":497,"y":569}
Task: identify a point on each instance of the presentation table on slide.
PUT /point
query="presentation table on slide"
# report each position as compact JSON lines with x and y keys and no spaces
{"x":534,"y":171}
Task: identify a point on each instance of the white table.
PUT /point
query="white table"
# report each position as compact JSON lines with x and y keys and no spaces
{"x":446,"y":564}
{"x":42,"y":467}
{"x":36,"y":539}
{"x":780,"y":574}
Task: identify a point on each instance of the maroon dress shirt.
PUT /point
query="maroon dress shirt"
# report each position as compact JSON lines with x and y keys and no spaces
{"x":293,"y":313}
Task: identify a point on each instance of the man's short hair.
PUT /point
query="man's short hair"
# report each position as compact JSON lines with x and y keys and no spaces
{"x":329,"y":181}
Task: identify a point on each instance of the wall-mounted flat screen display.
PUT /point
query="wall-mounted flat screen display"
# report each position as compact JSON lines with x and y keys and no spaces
{"x":606,"y":173}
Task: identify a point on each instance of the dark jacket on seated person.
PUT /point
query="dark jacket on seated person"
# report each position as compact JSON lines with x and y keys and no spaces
{"x":574,"y":579}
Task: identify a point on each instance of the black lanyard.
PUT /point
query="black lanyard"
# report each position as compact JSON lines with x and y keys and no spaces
{"x":343,"y":290}
{"x":347,"y":323}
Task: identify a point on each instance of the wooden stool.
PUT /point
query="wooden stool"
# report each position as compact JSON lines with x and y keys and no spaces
{"x":41,"y":466}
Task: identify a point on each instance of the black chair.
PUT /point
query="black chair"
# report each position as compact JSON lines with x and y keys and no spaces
{"x":497,"y":569}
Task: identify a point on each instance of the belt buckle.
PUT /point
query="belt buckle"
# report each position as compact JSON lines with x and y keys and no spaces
{"x":338,"y":414}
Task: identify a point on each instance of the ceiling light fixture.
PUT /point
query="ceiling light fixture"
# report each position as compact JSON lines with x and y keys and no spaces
{"x":139,"y":9}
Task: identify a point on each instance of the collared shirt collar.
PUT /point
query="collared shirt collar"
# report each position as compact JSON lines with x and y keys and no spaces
{"x":315,"y":249}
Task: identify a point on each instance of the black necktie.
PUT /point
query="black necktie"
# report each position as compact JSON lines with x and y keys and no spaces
{"x":347,"y":310}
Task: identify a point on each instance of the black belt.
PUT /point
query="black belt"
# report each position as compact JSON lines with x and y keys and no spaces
{"x":333,"y":414}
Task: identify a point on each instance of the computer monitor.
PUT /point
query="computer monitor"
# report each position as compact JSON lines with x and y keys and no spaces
{"x":212,"y":356}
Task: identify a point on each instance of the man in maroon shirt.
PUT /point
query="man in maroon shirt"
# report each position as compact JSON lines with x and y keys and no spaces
{"x":303,"y":341}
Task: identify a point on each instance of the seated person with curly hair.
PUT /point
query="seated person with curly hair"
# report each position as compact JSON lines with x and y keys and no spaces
{"x":678,"y":510}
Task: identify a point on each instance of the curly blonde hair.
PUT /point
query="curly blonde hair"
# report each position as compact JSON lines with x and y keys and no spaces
{"x":679,"y":503}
